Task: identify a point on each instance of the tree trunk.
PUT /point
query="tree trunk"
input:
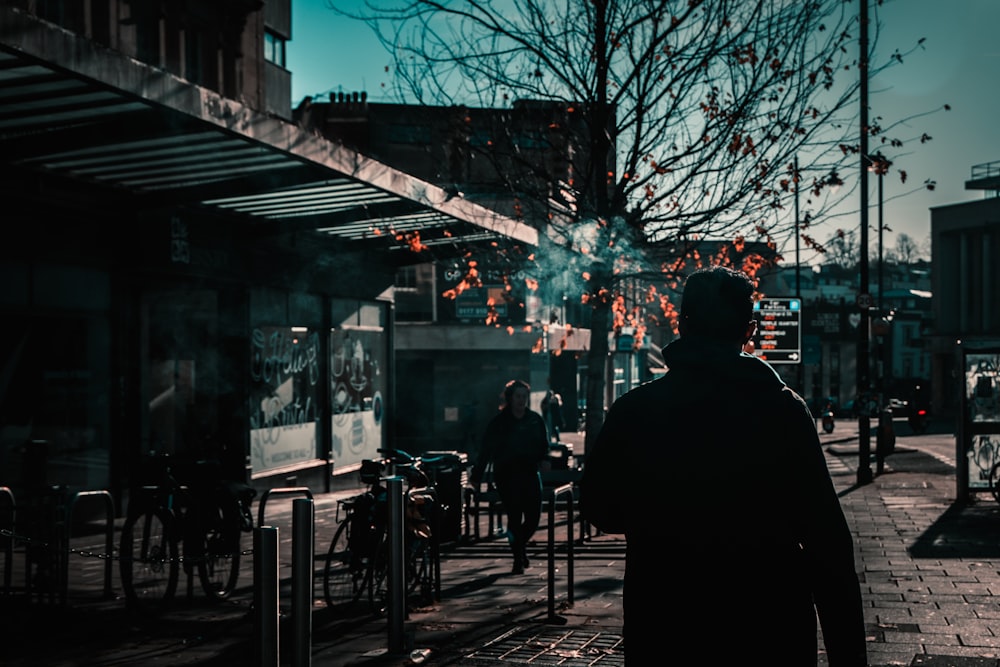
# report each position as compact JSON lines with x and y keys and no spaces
{"x":597,"y":361}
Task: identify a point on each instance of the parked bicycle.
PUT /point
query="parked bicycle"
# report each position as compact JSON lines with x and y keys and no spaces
{"x":189,"y":516}
{"x":356,"y":568}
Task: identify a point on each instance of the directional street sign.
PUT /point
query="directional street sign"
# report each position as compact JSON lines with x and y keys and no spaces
{"x":779,"y":330}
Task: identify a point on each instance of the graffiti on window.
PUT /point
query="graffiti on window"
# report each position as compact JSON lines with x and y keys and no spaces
{"x":982,"y":386}
{"x":284,"y":373}
{"x":357,"y":377}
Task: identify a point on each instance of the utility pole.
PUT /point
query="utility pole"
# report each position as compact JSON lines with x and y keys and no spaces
{"x":864,"y":297}
{"x":881,"y":166}
{"x":798,"y":269}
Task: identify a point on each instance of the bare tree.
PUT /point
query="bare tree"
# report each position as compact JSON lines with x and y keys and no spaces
{"x":843,"y":249}
{"x":676,"y":121}
{"x":906,"y":251}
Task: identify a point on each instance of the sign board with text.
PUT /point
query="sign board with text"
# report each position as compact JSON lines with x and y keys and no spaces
{"x":475,"y":303}
{"x":779,"y":330}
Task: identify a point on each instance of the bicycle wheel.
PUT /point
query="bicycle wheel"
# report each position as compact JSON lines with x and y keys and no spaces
{"x":420,"y":573}
{"x":418,"y":583}
{"x":377,"y":577}
{"x":219,"y":557}
{"x":148,"y":561}
{"x":995,"y":482}
{"x":344,"y":571}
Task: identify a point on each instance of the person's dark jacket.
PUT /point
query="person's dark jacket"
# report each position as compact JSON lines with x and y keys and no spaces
{"x":512,"y":456}
{"x":716,"y":476}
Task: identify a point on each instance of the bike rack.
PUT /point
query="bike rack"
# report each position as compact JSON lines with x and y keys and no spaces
{"x":554,"y":494}
{"x":281,"y":491}
{"x":109,"y":539}
{"x":47,"y":508}
{"x":58,"y":521}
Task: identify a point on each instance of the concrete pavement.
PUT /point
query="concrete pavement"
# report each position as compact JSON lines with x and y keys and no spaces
{"x":930,"y":573}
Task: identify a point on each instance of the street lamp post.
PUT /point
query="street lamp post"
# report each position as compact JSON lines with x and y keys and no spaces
{"x":880,"y":171}
{"x":880,"y":166}
{"x":864,"y":475}
{"x":886,"y":438}
{"x":798,"y":268}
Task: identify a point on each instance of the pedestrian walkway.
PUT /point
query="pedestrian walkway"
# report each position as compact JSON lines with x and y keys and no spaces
{"x":929,"y":568}
{"x":485,"y":614}
{"x":930,"y":573}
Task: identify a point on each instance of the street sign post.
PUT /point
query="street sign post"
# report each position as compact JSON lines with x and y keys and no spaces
{"x":779,"y":330}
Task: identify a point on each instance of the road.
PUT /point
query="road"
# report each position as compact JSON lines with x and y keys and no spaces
{"x":938,"y":442}
{"x":939,"y":445}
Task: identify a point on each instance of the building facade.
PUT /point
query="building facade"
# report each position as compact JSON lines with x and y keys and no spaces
{"x":458,"y":342}
{"x":186,"y":270}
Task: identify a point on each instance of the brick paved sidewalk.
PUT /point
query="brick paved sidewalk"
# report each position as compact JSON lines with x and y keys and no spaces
{"x":485,"y":614}
{"x":930,"y":569}
{"x":930,"y":573}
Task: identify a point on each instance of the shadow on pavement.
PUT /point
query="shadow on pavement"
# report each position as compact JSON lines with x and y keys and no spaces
{"x":963,"y":531}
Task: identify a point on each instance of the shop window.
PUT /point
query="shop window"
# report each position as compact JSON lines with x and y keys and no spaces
{"x":55,"y":391}
{"x":180,"y":375}
{"x":284,"y":405}
{"x":285,"y":353}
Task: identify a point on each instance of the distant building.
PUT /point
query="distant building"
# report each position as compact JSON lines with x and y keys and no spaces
{"x":966,"y":280}
{"x":830,"y":319}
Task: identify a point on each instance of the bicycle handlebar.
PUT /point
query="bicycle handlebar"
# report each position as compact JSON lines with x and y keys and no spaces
{"x":397,"y":455}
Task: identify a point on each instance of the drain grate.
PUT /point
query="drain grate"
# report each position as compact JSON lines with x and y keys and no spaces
{"x":553,"y":646}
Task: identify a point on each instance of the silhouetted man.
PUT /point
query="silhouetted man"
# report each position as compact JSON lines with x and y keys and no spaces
{"x":715,"y":474}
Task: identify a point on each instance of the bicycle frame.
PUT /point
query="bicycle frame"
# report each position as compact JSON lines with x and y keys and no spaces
{"x":356,"y":562}
{"x":197,"y":524}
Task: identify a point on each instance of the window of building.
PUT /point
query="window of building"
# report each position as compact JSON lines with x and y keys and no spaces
{"x":195,"y":62}
{"x":274,"y":48}
{"x":415,"y":293}
{"x":406,"y":278}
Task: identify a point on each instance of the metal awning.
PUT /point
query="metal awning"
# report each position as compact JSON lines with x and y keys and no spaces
{"x":74,"y":110}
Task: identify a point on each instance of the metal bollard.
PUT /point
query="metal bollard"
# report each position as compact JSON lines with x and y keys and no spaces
{"x":396,"y":579}
{"x":885,"y":441}
{"x":265,"y":587}
{"x":302,"y":581}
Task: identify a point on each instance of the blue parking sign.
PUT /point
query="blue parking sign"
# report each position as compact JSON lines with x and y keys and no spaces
{"x":779,"y":330}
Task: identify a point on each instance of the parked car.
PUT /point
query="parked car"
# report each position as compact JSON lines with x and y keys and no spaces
{"x":898,"y":405}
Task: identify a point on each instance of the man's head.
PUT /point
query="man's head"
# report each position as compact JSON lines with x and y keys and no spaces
{"x":718,"y":304}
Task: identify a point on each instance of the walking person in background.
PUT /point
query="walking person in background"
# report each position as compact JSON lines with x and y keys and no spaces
{"x":552,"y":412}
{"x":715,"y":475}
{"x":517,"y":444}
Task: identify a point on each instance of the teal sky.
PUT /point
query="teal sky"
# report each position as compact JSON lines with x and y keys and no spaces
{"x":959,"y":66}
